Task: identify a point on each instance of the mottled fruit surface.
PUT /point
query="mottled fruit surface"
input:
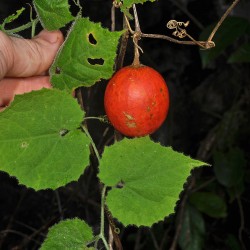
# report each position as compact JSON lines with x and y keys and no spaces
{"x":136,"y":100}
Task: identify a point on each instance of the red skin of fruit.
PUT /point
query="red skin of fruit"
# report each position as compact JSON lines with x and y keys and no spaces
{"x":136,"y":100}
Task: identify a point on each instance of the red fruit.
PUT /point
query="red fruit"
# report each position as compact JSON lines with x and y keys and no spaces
{"x":136,"y":100}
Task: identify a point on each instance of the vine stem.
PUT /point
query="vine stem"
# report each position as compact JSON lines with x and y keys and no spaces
{"x":101,"y":119}
{"x":208,"y":44}
{"x":92,"y":143}
{"x":136,"y":38}
{"x":101,"y":235}
{"x":222,"y":20}
{"x":22,"y":27}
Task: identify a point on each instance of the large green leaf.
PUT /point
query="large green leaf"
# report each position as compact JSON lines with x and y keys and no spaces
{"x":231,"y":29}
{"x":53,"y":14}
{"x":87,"y":56}
{"x":68,"y":235}
{"x":241,"y":55}
{"x":146,"y":180}
{"x":209,"y":203}
{"x":40,"y":143}
{"x":192,"y":230}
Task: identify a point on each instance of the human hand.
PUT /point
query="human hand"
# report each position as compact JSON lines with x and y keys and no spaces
{"x":24,"y":63}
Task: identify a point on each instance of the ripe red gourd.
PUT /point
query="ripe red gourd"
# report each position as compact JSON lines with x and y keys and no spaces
{"x":136,"y":100}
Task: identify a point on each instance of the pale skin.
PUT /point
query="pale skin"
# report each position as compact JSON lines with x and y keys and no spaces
{"x":24,"y":63}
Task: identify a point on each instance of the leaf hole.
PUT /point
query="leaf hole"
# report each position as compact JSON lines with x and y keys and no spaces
{"x":58,"y":71}
{"x":92,"y":40}
{"x":63,"y":132}
{"x":24,"y":144}
{"x":96,"y":61}
{"x":121,"y":184}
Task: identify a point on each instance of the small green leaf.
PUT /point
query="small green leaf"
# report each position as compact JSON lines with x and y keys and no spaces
{"x":126,"y":4}
{"x":209,"y":203}
{"x":193,"y":230}
{"x":241,"y":55}
{"x":53,"y":14}
{"x":231,"y":29}
{"x":40,"y":143}
{"x":67,"y":235}
{"x":146,"y":180}
{"x":13,"y":17}
{"x":232,"y":243}
{"x":229,"y":167}
{"x":87,"y":56}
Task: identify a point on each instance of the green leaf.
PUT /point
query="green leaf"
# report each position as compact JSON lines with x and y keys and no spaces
{"x":127,"y":4}
{"x":67,"y":235}
{"x":193,"y":230}
{"x":231,"y":29}
{"x":40,"y":142}
{"x":53,"y":14}
{"x":13,"y":17}
{"x":229,"y":167}
{"x":241,"y":55}
{"x":151,"y":178}
{"x":209,"y":203}
{"x":232,"y":243}
{"x":87,"y":56}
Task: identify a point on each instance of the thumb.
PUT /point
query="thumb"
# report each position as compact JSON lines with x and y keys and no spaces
{"x":29,"y":57}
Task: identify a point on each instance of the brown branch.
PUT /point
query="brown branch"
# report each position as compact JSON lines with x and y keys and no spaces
{"x":181,"y":214}
{"x":203,"y":44}
{"x":113,"y":17}
{"x":242,"y":222}
{"x":222,"y":20}
{"x":173,"y":40}
{"x":123,"y":46}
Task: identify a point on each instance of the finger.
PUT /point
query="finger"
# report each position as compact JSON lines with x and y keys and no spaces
{"x":9,"y":87}
{"x":29,"y":57}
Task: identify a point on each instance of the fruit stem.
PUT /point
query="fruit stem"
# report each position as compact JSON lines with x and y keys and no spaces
{"x":136,"y":38}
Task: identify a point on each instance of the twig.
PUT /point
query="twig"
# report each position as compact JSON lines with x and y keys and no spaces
{"x":203,"y":44}
{"x":59,"y":204}
{"x":113,"y":17}
{"x":180,"y":215}
{"x":137,"y":240}
{"x":114,"y":230}
{"x":101,"y":235}
{"x":164,"y":238}
{"x":173,"y":40}
{"x":222,"y":20}
{"x":137,"y":24}
{"x":242,"y":222}
{"x":8,"y":228}
{"x":136,"y":38}
{"x":204,"y":184}
{"x":123,"y":46}
{"x":7,"y":231}
{"x":111,"y":238}
{"x":92,"y":143}
{"x":156,"y":245}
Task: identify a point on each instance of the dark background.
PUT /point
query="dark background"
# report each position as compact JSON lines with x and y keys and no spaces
{"x":208,"y":119}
